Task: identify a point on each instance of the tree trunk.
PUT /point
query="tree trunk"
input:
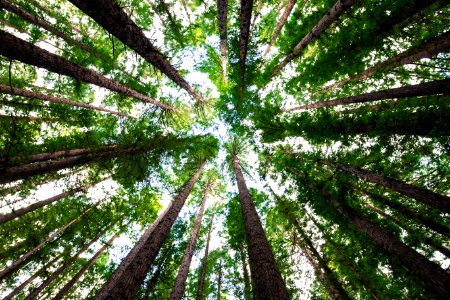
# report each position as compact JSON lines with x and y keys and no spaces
{"x":244,"y":34}
{"x":32,"y":95}
{"x":18,"y":49}
{"x":247,"y":285}
{"x":152,"y":282}
{"x":180,"y":281}
{"x":219,"y":282}
{"x":83,"y":270}
{"x":440,"y":202}
{"x":332,"y":15}
{"x":265,"y":273}
{"x":186,"y":10}
{"x":16,"y":213}
{"x":109,"y":15}
{"x":283,"y":19}
{"x":6,"y":271}
{"x":201,"y":280}
{"x":421,"y":89}
{"x":426,"y":49}
{"x":222,"y":8}
{"x":133,"y":270}
{"x":257,"y":10}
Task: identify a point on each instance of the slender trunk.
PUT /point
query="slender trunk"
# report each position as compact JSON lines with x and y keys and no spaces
{"x":247,"y":285}
{"x":180,"y":281}
{"x":6,"y":271}
{"x":244,"y":34}
{"x":186,"y":10}
{"x":18,"y":49}
{"x":415,"y":90}
{"x":109,"y":15}
{"x":135,"y":267}
{"x":281,"y":22}
{"x":332,"y":15}
{"x":426,"y":49}
{"x":83,"y":270}
{"x":257,"y":10}
{"x":222,"y":9}
{"x":265,"y":273}
{"x":67,"y":263}
{"x":32,"y":95}
{"x":440,"y":202}
{"x":201,"y":280}
{"x":219,"y":282}
{"x":30,"y":279}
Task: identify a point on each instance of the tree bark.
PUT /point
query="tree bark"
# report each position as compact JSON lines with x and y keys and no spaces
{"x":135,"y":267}
{"x":281,"y":22}
{"x":16,"y":213}
{"x":180,"y":281}
{"x":18,"y":49}
{"x":222,"y":8}
{"x":201,"y":280}
{"x":426,"y":49}
{"x":83,"y":270}
{"x":244,"y":34}
{"x":109,"y":15}
{"x":257,"y":10}
{"x":440,"y":202}
{"x":332,"y":15}
{"x":415,"y":90}
{"x":48,"y":98}
{"x":264,"y":271}
{"x":247,"y":285}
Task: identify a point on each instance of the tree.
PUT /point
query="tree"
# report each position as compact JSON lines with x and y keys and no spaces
{"x":201,"y":280}
{"x":222,"y":9}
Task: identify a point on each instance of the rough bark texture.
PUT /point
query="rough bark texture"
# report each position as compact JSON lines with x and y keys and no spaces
{"x":265,"y":273}
{"x":427,"y":49}
{"x":222,"y":8}
{"x":180,"y":281}
{"x":16,"y":213}
{"x":32,"y":95}
{"x":18,"y":49}
{"x":109,"y":15}
{"x":201,"y":280}
{"x":244,"y":34}
{"x":6,"y":271}
{"x":281,"y":22}
{"x":440,"y":202}
{"x":421,"y":89}
{"x":83,"y":270}
{"x":126,"y":283}
{"x":332,"y":15}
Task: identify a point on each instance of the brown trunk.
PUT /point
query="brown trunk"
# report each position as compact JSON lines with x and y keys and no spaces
{"x":83,"y":270}
{"x":18,"y":49}
{"x":180,"y":281}
{"x":186,"y":10}
{"x":247,"y":285}
{"x":6,"y":271}
{"x":427,"y":49}
{"x":421,"y":89}
{"x":32,"y":95}
{"x":257,"y":10}
{"x":332,"y":15}
{"x":440,"y":202}
{"x":265,"y":273}
{"x":201,"y":281}
{"x":283,"y":19}
{"x":109,"y":15}
{"x":16,"y":213}
{"x":245,"y":18}
{"x":135,"y":267}
{"x":222,"y":8}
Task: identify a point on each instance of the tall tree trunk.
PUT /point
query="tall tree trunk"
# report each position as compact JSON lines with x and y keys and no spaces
{"x":421,"y":89}
{"x":244,"y":34}
{"x":281,"y":22}
{"x":109,"y":15}
{"x":186,"y":10}
{"x":257,"y":10}
{"x":67,"y":263}
{"x":222,"y":15}
{"x":426,"y":49}
{"x":32,"y":95}
{"x":180,"y":281}
{"x":265,"y":273}
{"x":16,"y":213}
{"x":83,"y":270}
{"x":132,"y":272}
{"x":332,"y":15}
{"x":201,"y":280}
{"x":6,"y":271}
{"x":18,"y":49}
{"x":247,"y":285}
{"x":219,"y":282}
{"x":440,"y":202}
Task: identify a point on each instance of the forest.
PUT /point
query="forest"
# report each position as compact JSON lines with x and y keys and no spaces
{"x":199,"y":149}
